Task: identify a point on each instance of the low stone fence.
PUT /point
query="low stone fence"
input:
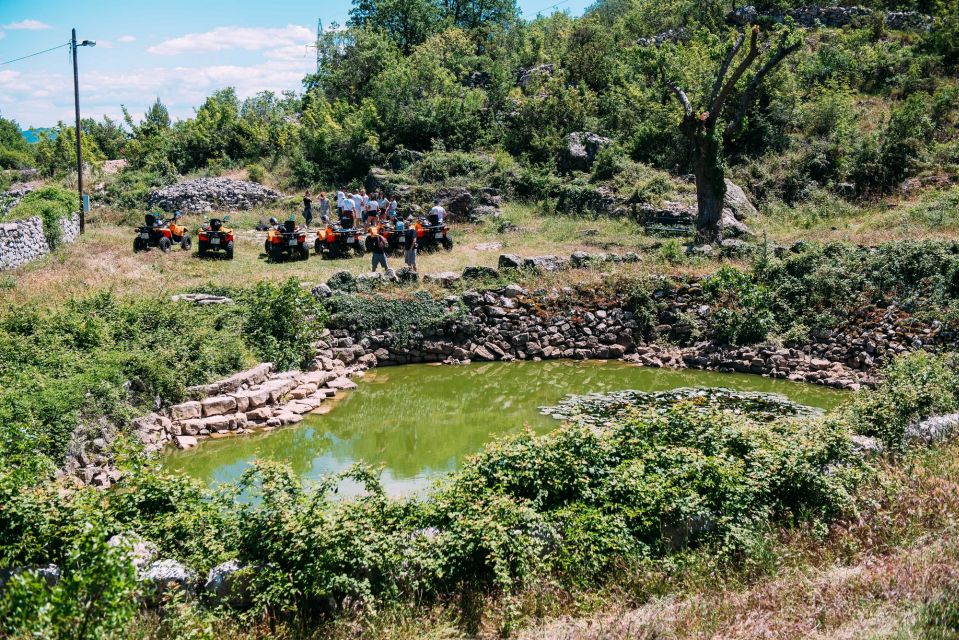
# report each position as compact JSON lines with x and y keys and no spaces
{"x":22,"y":241}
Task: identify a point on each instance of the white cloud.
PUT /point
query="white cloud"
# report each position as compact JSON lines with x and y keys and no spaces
{"x":3,"y":34}
{"x":42,"y":98}
{"x":104,"y":44}
{"x":248,"y":38}
{"x":30,"y":25}
{"x":292,"y":52}
{"x":126,"y":39}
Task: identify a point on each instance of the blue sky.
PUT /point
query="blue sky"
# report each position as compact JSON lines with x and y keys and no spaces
{"x":178,"y":50}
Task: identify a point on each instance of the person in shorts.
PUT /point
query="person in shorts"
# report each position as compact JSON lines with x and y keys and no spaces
{"x":378,"y":249}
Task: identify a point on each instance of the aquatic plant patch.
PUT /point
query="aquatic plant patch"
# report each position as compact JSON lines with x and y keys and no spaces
{"x":599,"y":409}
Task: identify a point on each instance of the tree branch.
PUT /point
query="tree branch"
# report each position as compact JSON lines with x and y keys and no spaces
{"x":723,"y":70}
{"x":782,"y":50}
{"x":717,"y":104}
{"x":682,"y":97}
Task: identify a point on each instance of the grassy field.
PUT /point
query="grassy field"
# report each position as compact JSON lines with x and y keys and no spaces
{"x":103,"y":258}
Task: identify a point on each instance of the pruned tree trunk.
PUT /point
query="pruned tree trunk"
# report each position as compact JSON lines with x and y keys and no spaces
{"x":700,"y":127}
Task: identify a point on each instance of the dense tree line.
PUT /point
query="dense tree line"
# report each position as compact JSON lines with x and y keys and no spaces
{"x":852,"y":111}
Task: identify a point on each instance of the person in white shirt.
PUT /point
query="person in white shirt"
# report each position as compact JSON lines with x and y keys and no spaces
{"x":437,"y":213}
{"x":348,"y":212}
{"x":340,"y":197}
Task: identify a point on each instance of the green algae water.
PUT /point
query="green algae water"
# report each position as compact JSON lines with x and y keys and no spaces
{"x":420,"y":421}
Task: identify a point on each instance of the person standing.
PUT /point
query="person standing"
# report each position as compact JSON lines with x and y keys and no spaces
{"x":437,"y":213}
{"x":409,"y":253}
{"x":348,"y":216}
{"x":358,"y":213}
{"x":340,"y":197}
{"x":307,"y":208}
{"x":379,"y":247}
{"x":324,"y":207}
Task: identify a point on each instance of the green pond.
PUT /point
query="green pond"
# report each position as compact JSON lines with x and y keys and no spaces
{"x":419,"y":421}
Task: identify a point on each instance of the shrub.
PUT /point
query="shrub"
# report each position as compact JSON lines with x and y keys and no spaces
{"x":282,"y":322}
{"x":131,"y":188}
{"x":743,"y":313}
{"x":256,"y":173}
{"x":914,"y":387}
{"x":402,"y":318}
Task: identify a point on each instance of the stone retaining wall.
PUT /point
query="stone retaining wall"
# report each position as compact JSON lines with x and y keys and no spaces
{"x":22,"y":241}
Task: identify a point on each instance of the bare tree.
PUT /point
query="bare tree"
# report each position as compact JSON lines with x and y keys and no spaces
{"x":701,"y":125}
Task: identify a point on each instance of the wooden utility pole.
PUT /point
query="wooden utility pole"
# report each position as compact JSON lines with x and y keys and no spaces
{"x":76,"y":101}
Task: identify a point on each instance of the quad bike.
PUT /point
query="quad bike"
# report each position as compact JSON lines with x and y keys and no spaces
{"x":394,"y":239}
{"x":336,"y":241}
{"x":431,"y":234}
{"x":286,"y":240}
{"x":213,"y":236}
{"x":157,"y":232}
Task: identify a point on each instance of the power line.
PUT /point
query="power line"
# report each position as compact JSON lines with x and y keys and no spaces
{"x":59,"y":46}
{"x":553,"y":6}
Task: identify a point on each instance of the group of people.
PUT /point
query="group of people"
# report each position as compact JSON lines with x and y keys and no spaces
{"x":362,"y":210}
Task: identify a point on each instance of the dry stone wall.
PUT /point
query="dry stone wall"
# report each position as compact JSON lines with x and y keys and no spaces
{"x":22,"y":241}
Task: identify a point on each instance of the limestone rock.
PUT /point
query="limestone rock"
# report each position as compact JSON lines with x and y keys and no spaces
{"x":580,"y":151}
{"x":510,"y":261}
{"x":477,"y":272}
{"x":736,"y":201}
{"x":163,"y":576}
{"x":229,"y":583}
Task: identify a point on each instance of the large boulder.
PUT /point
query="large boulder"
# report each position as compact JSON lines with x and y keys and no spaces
{"x":141,"y":552}
{"x":525,"y":76}
{"x":164,"y":576}
{"x":207,"y":194}
{"x":478,"y":272}
{"x":580,"y":151}
{"x":458,"y":202}
{"x":546,"y":263}
{"x":510,"y":261}
{"x":742,"y":16}
{"x":229,"y":583}
{"x":737,"y":201}
{"x":730,"y":227}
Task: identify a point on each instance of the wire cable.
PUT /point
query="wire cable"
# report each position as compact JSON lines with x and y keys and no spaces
{"x":59,"y":46}
{"x":552,"y":6}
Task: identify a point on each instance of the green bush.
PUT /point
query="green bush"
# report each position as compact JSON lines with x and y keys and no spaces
{"x":282,"y":322}
{"x":914,"y":386}
{"x":131,"y":188}
{"x":402,"y":318}
{"x":742,"y":312}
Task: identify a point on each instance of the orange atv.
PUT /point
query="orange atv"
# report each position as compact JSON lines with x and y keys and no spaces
{"x":337,"y":241}
{"x":157,"y":232}
{"x":431,"y":234}
{"x":213,"y":236}
{"x":394,"y":239}
{"x":286,"y":239}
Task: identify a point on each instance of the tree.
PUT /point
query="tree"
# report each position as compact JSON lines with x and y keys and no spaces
{"x":700,"y":126}
{"x":108,"y":135}
{"x":406,"y":22}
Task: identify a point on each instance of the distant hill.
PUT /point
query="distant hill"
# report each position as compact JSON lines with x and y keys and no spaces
{"x":33,"y":135}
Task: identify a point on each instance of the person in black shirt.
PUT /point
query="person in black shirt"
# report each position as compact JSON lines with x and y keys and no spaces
{"x":409,"y":253}
{"x":307,"y":208}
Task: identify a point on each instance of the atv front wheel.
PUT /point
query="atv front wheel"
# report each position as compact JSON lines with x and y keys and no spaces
{"x":266,"y":246}
{"x":229,"y":250}
{"x":165,"y":244}
{"x":201,"y":249}
{"x":276,"y":253}
{"x":318,"y":247}
{"x":138,"y":245}
{"x":186,"y":243}
{"x":447,"y":243}
{"x":304,"y":252}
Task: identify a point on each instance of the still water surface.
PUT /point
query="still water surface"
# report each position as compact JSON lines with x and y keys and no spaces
{"x":419,"y":421}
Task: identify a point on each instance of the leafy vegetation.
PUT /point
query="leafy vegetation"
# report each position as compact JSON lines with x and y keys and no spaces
{"x":101,"y":358}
